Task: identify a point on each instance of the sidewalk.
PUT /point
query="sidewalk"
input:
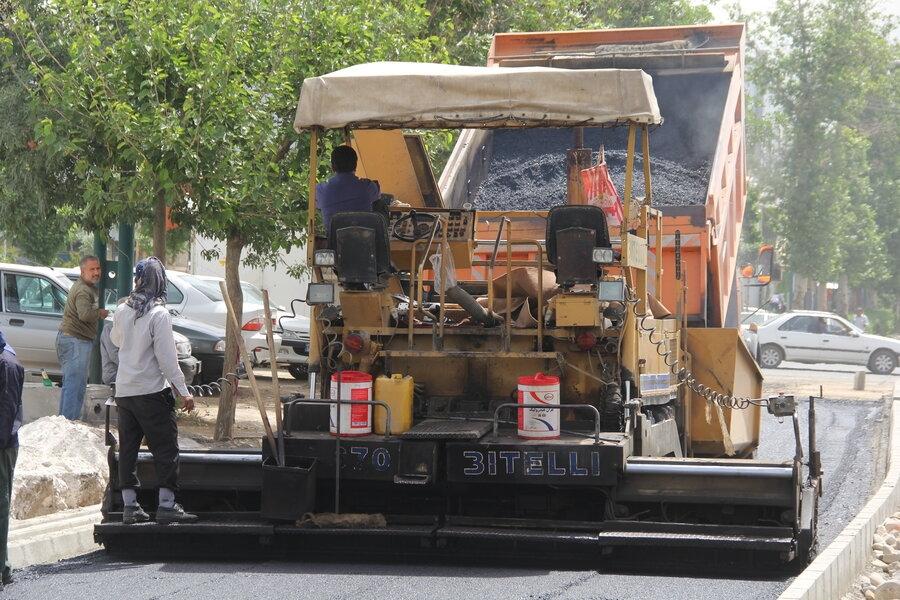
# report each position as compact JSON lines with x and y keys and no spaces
{"x":51,"y":538}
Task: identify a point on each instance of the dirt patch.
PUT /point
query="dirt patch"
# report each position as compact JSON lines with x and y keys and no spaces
{"x":200,"y":425}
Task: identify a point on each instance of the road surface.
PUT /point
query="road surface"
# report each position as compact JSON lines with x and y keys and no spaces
{"x":851,"y":436}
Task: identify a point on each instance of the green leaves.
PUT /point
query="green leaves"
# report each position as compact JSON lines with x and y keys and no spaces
{"x":818,"y":142}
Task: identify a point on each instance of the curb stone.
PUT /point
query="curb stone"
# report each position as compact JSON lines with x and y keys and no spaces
{"x":835,"y":569}
{"x":52,"y":538}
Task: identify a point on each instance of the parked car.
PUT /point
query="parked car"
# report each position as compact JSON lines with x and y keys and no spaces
{"x":293,"y":329}
{"x":750,"y":321}
{"x":201,"y":300}
{"x":294,"y":344}
{"x":821,"y":337}
{"x":32,"y":301}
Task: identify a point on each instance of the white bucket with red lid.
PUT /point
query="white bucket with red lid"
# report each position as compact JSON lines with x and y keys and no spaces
{"x":356,"y":419}
{"x":539,"y":423}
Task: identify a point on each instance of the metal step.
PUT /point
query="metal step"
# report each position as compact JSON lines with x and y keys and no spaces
{"x":446,"y":429}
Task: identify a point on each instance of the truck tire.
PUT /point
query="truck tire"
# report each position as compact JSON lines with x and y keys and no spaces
{"x":770,"y":356}
{"x":883,"y":362}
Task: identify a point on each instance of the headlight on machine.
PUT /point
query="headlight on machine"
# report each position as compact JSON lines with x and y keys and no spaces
{"x":320,"y":293}
{"x":220,"y":346}
{"x":323,"y":258}
{"x":602,"y":256}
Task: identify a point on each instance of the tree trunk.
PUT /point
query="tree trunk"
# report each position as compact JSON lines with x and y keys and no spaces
{"x":821,"y":296}
{"x":159,"y":227}
{"x":842,"y":306}
{"x":800,"y":286}
{"x":225,"y":419}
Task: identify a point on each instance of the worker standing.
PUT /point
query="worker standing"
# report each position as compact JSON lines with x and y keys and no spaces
{"x":148,"y":363}
{"x":345,"y":192}
{"x":75,"y":340}
{"x":12,"y":377}
{"x":860,"y":319}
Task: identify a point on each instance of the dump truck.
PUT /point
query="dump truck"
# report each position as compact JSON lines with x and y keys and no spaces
{"x":699,"y":163}
{"x":522,"y":382}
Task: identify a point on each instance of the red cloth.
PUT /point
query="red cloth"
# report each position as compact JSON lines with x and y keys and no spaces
{"x":600,"y":191}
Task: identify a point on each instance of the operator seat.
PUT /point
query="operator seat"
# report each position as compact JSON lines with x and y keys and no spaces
{"x":572,"y":234}
{"x":362,"y":249}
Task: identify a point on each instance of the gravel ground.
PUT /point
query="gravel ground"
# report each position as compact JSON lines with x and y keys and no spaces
{"x":528,"y":171}
{"x":851,"y":435}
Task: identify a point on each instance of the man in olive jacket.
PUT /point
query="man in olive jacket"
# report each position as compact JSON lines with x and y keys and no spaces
{"x":75,"y":339}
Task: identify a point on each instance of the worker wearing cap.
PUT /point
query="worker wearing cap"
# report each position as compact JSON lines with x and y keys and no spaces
{"x":345,"y":192}
{"x":148,"y":364}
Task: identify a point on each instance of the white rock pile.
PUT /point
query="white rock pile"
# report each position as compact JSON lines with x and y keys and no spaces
{"x":61,"y":465}
{"x":882,"y":581}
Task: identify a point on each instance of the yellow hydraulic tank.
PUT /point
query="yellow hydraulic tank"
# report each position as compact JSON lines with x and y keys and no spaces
{"x":397,"y":392}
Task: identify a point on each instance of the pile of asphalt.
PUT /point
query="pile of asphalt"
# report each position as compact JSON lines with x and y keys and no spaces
{"x":527,"y":171}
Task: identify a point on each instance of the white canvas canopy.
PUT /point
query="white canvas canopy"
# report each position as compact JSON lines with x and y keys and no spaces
{"x":391,"y":95}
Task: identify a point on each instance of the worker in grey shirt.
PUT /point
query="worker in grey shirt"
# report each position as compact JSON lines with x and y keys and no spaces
{"x":148,"y":364}
{"x":109,"y":356}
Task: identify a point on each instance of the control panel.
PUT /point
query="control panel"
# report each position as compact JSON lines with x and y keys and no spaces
{"x":408,"y":226}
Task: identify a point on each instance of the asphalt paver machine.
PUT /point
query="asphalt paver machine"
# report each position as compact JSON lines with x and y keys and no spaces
{"x":536,"y":399}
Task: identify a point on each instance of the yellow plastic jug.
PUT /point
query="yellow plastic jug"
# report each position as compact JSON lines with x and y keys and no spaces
{"x":397,"y":392}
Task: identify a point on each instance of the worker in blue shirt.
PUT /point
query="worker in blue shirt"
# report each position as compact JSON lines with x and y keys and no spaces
{"x":345,"y":192}
{"x":12,"y":378}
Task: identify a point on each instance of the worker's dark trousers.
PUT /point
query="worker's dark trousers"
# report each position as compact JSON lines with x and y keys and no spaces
{"x":7,"y":466}
{"x":151,"y":415}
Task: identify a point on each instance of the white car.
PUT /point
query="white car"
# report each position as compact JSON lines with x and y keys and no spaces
{"x":293,"y":350}
{"x":201,"y":300}
{"x":751,"y":319}
{"x":821,"y":337}
{"x":294,"y":344}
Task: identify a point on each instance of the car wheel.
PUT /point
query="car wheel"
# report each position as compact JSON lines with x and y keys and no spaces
{"x":883,"y":362}
{"x":770,"y":356}
{"x":298,"y":371}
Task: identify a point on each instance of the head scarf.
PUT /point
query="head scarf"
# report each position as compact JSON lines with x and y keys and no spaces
{"x":149,"y":286}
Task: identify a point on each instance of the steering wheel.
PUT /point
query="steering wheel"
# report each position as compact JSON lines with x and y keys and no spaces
{"x":423,"y":225}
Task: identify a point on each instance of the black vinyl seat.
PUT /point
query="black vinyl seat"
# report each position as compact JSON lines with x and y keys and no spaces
{"x":362,"y":248}
{"x":572,"y":234}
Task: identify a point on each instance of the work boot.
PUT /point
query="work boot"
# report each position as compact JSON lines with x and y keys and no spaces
{"x":134,"y":514}
{"x":166,"y":515}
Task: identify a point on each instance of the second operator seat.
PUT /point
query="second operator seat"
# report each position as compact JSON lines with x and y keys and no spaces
{"x":572,"y":234}
{"x":362,"y":249}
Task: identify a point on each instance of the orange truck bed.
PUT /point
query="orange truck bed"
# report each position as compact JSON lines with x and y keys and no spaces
{"x":698,"y":79}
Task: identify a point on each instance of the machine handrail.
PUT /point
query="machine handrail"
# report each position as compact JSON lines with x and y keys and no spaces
{"x":319,"y":401}
{"x":490,"y":278}
{"x":593,"y":409}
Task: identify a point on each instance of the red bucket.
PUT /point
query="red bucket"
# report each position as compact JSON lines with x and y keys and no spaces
{"x":356,"y":419}
{"x":539,"y":423}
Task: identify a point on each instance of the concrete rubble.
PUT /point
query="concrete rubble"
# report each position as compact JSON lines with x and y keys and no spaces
{"x":882,"y":579}
{"x":61,"y":465}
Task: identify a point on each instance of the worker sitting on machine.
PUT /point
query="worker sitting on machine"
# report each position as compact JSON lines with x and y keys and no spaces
{"x":345,"y":192}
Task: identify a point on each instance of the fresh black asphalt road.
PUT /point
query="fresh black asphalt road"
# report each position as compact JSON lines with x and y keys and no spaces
{"x":852,"y":436}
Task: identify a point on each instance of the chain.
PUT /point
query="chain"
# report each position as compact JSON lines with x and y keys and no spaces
{"x":684,"y":376}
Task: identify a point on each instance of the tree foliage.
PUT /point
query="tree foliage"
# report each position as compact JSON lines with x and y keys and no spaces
{"x":468,"y":25}
{"x":824,"y":140}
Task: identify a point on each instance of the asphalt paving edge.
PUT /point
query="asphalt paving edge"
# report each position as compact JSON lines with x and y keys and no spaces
{"x":51,"y":538}
{"x":834,"y":570}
